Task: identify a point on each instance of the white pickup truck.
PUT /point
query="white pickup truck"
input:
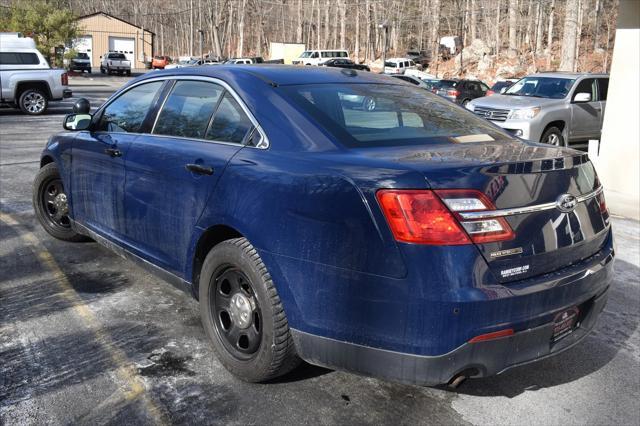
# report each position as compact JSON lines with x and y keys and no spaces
{"x":26,"y":79}
{"x":115,"y":62}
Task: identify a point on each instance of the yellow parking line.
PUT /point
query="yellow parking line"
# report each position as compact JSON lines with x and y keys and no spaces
{"x":125,"y":371}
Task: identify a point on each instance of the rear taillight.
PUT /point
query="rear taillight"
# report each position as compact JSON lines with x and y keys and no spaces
{"x":481,"y":231}
{"x":453,"y":93}
{"x":490,"y":92}
{"x":431,"y":217}
{"x":64,"y":79}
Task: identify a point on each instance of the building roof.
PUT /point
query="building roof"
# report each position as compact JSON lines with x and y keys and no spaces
{"x":114,"y":17}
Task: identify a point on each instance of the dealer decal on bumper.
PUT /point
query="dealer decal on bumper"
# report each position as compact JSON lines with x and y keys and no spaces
{"x":514,"y":271}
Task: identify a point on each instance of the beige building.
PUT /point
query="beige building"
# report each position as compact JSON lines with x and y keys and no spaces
{"x":102,"y":33}
{"x":618,"y":164}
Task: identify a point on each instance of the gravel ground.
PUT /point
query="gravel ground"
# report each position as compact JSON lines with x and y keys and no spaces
{"x":86,"y":337}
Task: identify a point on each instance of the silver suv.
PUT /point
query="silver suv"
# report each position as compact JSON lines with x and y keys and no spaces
{"x":555,"y":108}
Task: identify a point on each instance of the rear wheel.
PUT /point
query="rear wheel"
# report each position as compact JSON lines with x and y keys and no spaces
{"x":102,"y":71}
{"x":50,"y":205}
{"x":553,"y":136}
{"x":33,"y":102}
{"x":242,"y":313}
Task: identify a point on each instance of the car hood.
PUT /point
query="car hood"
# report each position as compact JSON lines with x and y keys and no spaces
{"x":511,"y":101}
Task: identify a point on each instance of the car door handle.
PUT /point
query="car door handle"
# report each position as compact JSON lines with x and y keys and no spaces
{"x":199,"y":169}
{"x":113,"y":152}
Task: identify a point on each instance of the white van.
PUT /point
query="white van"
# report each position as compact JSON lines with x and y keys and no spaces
{"x":318,"y":57}
{"x":398,"y":65}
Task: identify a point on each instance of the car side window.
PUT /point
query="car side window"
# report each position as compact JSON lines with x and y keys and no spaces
{"x":230,"y":123}
{"x":484,"y":87}
{"x":18,"y":58}
{"x":188,"y":109}
{"x":127,"y":112}
{"x":588,"y":85}
{"x":603,"y":88}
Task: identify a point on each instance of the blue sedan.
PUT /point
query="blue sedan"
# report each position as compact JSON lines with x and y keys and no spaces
{"x":347,"y":219}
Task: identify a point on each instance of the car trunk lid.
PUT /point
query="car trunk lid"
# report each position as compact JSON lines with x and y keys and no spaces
{"x":527,"y":184}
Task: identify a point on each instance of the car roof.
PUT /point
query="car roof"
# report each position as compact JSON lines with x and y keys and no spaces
{"x":280,"y":75}
{"x":566,"y":74}
{"x":398,"y":59}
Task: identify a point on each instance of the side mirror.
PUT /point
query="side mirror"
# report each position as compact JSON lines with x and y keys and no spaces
{"x":77,"y":122}
{"x":82,"y":106}
{"x":582,"y":97}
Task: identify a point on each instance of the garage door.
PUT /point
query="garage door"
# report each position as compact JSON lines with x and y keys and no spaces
{"x":123,"y":45}
{"x":84,"y":45}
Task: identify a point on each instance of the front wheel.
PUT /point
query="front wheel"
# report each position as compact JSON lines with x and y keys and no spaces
{"x":33,"y":102}
{"x":552,"y":136}
{"x":50,"y":203}
{"x":242,"y":313}
{"x":465,"y":102}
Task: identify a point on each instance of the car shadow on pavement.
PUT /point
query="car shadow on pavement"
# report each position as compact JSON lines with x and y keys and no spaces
{"x":616,"y":325}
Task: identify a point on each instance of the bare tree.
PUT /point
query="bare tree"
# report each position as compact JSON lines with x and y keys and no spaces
{"x":570,"y":32}
{"x":513,"y":26}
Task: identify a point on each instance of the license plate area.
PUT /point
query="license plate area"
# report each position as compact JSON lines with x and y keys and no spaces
{"x":565,"y":323}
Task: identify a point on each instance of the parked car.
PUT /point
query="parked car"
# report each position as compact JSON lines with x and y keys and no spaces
{"x":444,"y":87}
{"x":26,"y":80}
{"x":553,"y":108}
{"x":420,"y":74}
{"x":346,"y":63}
{"x":398,"y":65}
{"x":318,"y":57}
{"x":463,"y":91}
{"x":115,"y":62}
{"x":500,"y":86}
{"x":413,"y":80}
{"x":81,"y":62}
{"x":160,"y":62}
{"x":414,"y":241}
{"x":420,"y":57}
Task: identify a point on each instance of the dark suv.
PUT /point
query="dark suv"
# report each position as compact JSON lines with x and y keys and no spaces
{"x":462,"y":91}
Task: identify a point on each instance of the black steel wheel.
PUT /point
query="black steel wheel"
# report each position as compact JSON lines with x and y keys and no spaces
{"x":50,"y":203}
{"x":242,"y":313}
{"x":236,"y":310}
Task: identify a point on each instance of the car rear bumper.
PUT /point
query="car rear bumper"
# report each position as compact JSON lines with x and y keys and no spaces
{"x":478,"y":359}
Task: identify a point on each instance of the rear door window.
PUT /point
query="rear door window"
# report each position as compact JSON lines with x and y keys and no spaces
{"x":230,"y":123}
{"x":188,"y":109}
{"x":127,"y":112}
{"x":603,"y":88}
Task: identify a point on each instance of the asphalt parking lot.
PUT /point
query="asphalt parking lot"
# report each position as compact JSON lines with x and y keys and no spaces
{"x":88,"y":338}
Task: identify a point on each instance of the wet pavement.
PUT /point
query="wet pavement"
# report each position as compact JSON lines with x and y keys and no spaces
{"x":89,"y":338}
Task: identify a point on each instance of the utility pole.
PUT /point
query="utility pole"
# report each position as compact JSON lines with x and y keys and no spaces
{"x":385,"y":26}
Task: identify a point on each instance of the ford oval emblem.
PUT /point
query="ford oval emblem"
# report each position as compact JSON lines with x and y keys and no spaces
{"x":566,"y":203}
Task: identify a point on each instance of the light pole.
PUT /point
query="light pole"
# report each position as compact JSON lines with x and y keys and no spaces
{"x":385,"y":26}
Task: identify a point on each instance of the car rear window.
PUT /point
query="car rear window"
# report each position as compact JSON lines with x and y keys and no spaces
{"x":447,"y":83}
{"x":18,"y":58}
{"x":363,"y":115}
{"x":117,"y":56}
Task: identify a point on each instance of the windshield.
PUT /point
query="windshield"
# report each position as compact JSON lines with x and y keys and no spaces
{"x":82,"y":56}
{"x":541,"y":87}
{"x":365,"y":115}
{"x":305,"y":54}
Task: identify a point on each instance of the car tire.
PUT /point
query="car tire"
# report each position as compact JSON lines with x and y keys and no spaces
{"x":465,"y":102}
{"x":33,"y":102}
{"x":553,"y":136}
{"x":242,"y":313}
{"x":49,"y":203}
{"x":128,"y":72}
{"x":102,"y":71}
